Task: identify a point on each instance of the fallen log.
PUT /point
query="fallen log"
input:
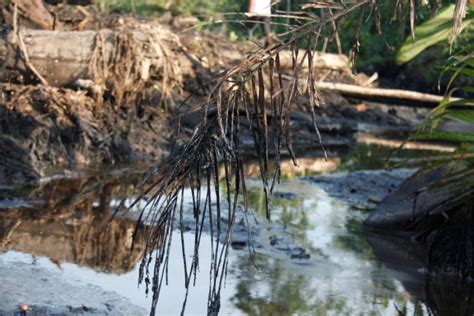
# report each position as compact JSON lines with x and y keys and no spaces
{"x":120,"y":62}
{"x":64,"y":60}
{"x":354,"y":90}
{"x":396,"y":96}
{"x":67,"y":56}
{"x":75,"y":58}
{"x":386,"y":95}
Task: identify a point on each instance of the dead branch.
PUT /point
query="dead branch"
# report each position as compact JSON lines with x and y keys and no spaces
{"x":383,"y":94}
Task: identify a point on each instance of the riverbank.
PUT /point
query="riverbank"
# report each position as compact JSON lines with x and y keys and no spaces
{"x":136,"y":82}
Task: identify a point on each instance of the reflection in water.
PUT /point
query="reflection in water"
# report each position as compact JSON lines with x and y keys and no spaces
{"x":70,"y":223}
{"x":374,"y":157}
{"x":280,"y":291}
{"x":342,"y":276}
{"x":306,"y":166}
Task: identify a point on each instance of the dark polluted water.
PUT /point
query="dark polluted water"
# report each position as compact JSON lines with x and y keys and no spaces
{"x":56,"y":256}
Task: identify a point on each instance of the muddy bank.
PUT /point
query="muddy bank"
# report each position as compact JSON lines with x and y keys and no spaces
{"x":116,"y":99}
{"x":43,"y":127}
{"x":46,"y":293}
{"x":429,"y":200}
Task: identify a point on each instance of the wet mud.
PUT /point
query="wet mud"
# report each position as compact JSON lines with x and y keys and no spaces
{"x":32,"y":290}
{"x":362,"y":189}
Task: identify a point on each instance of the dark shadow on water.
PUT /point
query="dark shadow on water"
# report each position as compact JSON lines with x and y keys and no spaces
{"x":433,"y":272}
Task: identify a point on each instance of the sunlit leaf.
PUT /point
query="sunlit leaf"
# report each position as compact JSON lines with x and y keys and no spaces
{"x":431,"y":32}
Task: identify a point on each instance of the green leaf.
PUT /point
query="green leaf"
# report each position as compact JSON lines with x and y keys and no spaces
{"x":433,"y":31}
{"x":443,"y":109}
{"x":448,"y":136}
{"x":467,"y":71}
{"x":465,"y":101}
{"x":462,"y":115}
{"x":469,"y":61}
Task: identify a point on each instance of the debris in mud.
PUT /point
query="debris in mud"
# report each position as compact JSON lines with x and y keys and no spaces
{"x":299,"y":253}
{"x":284,"y":195}
{"x":238,"y":244}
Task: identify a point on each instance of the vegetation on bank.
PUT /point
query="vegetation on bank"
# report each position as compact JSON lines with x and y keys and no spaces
{"x":380,"y":42}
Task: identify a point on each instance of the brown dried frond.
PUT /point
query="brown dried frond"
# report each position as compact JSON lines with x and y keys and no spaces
{"x":459,"y":14}
{"x":240,"y":99}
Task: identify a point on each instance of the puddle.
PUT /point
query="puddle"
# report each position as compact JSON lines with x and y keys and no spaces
{"x":64,"y":240}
